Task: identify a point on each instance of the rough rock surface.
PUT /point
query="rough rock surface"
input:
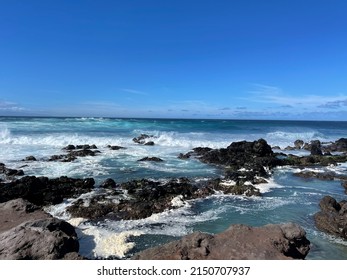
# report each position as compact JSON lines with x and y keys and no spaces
{"x":332,"y":218}
{"x":44,"y":191}
{"x":239,"y":242}
{"x":27,"y":232}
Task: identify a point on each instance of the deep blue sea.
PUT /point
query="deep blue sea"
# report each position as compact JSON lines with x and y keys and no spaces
{"x":286,"y":198}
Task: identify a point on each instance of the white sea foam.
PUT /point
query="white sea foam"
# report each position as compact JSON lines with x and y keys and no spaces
{"x":285,"y":138}
{"x":96,"y":242}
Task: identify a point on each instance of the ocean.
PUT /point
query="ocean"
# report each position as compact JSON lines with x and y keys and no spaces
{"x":286,"y":198}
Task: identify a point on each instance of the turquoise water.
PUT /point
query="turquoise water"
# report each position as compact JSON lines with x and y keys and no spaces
{"x":286,"y":198}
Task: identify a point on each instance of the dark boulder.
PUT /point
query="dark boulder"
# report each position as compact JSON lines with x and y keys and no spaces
{"x":115,"y":148}
{"x":30,"y":158}
{"x":299,"y":144}
{"x":108,"y":183}
{"x":332,"y":218}
{"x":340,"y":145}
{"x":142,"y":138}
{"x":10,"y":172}
{"x":27,"y":232}
{"x":316,"y":148}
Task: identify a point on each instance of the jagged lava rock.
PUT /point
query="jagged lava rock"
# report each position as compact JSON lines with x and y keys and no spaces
{"x":44,"y":191}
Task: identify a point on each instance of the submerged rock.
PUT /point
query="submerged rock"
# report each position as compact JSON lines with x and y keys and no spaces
{"x":238,"y":242}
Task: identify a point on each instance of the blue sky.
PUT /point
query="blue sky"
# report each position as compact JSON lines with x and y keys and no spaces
{"x":192,"y":59}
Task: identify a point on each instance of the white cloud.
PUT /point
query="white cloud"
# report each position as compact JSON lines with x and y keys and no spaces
{"x":133,"y":91}
{"x":9,"y":106}
{"x":275,"y":95}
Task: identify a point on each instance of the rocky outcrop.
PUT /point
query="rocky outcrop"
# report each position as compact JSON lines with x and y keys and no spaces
{"x":10,"y":173}
{"x":332,"y":217}
{"x":27,"y":232}
{"x":316,"y":148}
{"x":147,"y":198}
{"x":43,"y":191}
{"x":239,"y":242}
{"x":245,"y":163}
{"x":73,"y":152}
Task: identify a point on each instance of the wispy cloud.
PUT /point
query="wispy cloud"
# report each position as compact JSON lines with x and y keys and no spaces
{"x":334,"y":104}
{"x":225,"y":109}
{"x":133,"y":91}
{"x":276,"y":96}
{"x":10,"y":106}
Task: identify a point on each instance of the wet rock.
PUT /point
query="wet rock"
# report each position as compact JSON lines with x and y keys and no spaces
{"x":10,"y":172}
{"x":62,"y":158}
{"x":256,"y":156}
{"x":86,"y":147}
{"x":299,"y":144}
{"x":73,"y":152}
{"x":311,"y":161}
{"x":142,"y":138}
{"x":108,"y":184}
{"x":115,"y":148}
{"x":229,"y":186}
{"x":155,"y":159}
{"x":183,"y":156}
{"x":44,"y":191}
{"x":30,"y":158}
{"x":83,"y":153}
{"x":149,"y":143}
{"x":332,"y":218}
{"x":327,"y":176}
{"x":27,"y":232}
{"x":238,"y":242}
{"x":339,"y":145}
{"x":316,"y":148}
{"x":69,"y":147}
{"x":147,"y":198}
{"x":96,"y":208}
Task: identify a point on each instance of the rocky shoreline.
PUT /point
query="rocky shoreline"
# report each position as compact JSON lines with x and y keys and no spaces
{"x":245,"y":165}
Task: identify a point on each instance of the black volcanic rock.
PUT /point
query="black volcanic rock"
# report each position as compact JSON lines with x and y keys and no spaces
{"x":44,"y":191}
{"x":115,"y":148}
{"x":155,"y":159}
{"x":142,"y":138}
{"x":108,"y":183}
{"x":316,"y":148}
{"x":10,"y":172}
